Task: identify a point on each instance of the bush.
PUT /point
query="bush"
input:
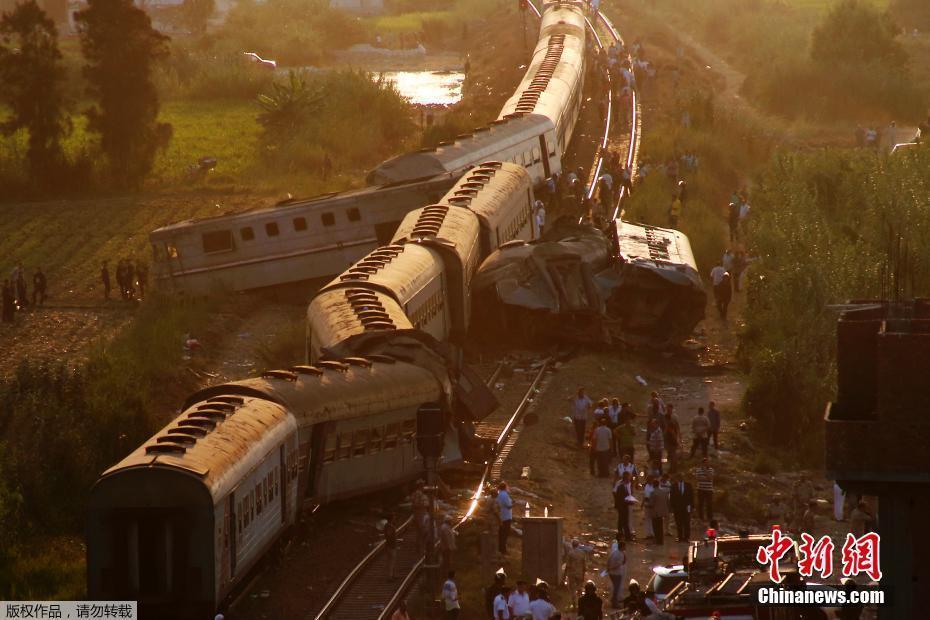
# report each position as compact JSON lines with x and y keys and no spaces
{"x":822,"y":228}
{"x":360,"y":119}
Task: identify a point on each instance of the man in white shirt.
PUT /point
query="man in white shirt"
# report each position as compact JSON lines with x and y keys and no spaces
{"x":519,"y":602}
{"x":505,"y":506}
{"x":450,"y":596}
{"x":540,"y":217}
{"x":501,"y":609}
{"x":603,"y":446}
{"x":580,"y":405}
{"x":541,"y":608}
{"x":616,"y":568}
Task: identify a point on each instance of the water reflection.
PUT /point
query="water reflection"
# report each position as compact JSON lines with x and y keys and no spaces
{"x":428,"y":87}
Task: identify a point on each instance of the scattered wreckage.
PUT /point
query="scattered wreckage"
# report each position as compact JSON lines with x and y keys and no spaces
{"x":633,"y":283}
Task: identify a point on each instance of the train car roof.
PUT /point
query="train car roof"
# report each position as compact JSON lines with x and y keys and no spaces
{"x":486,"y":186}
{"x":225,"y":430}
{"x":464,"y":151}
{"x":557,"y":61}
{"x":337,"y":314}
{"x":295,"y":205}
{"x":400,"y":270}
{"x":214,"y":438}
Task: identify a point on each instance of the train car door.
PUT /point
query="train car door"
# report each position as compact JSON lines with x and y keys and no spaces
{"x":282,"y":481}
{"x":545,"y":155}
{"x":317,"y":444}
{"x":233,"y":533}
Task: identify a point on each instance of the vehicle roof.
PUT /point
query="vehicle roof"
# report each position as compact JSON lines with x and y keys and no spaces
{"x":400,"y":270}
{"x":337,"y":314}
{"x":466,"y":150}
{"x":225,"y":430}
{"x":297,"y":205}
{"x":488,"y":185}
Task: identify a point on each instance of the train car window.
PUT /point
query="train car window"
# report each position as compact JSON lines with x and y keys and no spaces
{"x":216,"y":241}
{"x":258,"y":498}
{"x":329,"y":451}
{"x":239,"y":517}
{"x":300,"y":223}
{"x":360,"y":443}
{"x":391,"y":434}
{"x":328,"y":219}
{"x":159,"y":252}
{"x":374,"y":442}
{"x":344,"y":449}
{"x":172,"y":250}
{"x":271,"y":229}
{"x":409,"y":429}
{"x":537,"y":155}
{"x":247,"y":517}
{"x":354,"y":214}
{"x":246,"y":233}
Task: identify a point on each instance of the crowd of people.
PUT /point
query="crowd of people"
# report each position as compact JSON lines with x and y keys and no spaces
{"x":132,"y":277}
{"x":15,"y":293}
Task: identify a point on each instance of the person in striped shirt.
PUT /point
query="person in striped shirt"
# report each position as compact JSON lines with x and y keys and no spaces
{"x":704,"y":475}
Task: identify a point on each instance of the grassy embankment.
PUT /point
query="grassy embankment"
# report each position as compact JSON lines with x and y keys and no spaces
{"x":770,"y":41}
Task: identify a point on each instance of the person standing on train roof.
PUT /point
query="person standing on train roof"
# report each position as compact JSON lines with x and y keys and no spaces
{"x":505,"y":505}
{"x":540,"y":217}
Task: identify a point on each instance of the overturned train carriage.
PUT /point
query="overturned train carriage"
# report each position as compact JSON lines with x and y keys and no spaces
{"x":636,"y":284}
{"x":293,"y":241}
{"x":179,"y":522}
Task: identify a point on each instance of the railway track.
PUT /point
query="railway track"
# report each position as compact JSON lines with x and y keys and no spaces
{"x":367,"y":592}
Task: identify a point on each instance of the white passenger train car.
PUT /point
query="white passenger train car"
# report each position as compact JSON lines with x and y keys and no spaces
{"x":293,"y":241}
{"x":528,"y":140}
{"x":554,"y":82}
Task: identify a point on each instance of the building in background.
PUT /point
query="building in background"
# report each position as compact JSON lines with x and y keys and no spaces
{"x":877,"y":436}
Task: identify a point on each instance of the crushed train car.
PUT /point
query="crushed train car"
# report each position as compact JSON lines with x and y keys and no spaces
{"x":636,"y":283}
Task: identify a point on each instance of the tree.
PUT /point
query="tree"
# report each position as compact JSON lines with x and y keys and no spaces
{"x":289,"y":107}
{"x":32,"y":78}
{"x":121,"y":49}
{"x":196,"y":13}
{"x":855,"y":33}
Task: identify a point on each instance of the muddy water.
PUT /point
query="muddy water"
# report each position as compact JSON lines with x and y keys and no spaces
{"x":428,"y":87}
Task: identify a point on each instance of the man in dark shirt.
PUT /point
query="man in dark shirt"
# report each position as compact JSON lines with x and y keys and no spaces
{"x":105,"y":278}
{"x":590,"y":605}
{"x":38,"y":287}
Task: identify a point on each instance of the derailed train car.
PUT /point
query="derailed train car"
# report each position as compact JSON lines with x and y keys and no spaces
{"x":637,"y":284}
{"x":178,"y":523}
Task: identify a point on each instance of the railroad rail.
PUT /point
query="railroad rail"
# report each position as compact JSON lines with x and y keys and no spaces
{"x":366,"y":592}
{"x":635,"y":121}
